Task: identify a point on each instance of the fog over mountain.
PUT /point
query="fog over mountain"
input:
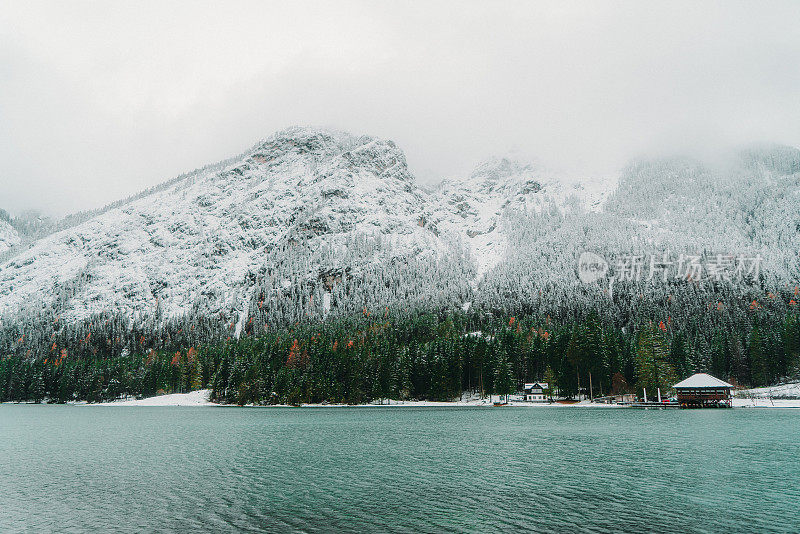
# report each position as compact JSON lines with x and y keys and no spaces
{"x":99,"y":101}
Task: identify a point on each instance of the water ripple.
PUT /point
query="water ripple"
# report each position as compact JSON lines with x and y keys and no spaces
{"x":73,"y":469}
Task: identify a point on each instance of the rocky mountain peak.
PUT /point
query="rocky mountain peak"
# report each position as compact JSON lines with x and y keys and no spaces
{"x":500,"y":169}
{"x":336,"y":150}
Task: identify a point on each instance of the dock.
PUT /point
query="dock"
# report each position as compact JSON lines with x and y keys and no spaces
{"x":652,"y":404}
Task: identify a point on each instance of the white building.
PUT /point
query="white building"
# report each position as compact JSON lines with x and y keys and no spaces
{"x":534,"y":392}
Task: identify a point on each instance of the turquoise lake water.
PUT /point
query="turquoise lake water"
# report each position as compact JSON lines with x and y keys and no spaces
{"x":181,"y":469}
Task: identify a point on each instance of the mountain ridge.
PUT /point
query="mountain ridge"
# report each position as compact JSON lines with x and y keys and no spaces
{"x":300,"y":183}
{"x":295,"y":207}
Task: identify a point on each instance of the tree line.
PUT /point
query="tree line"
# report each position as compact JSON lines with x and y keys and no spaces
{"x":433,"y":355}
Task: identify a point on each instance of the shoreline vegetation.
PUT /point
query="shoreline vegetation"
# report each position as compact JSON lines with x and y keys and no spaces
{"x":424,"y":357}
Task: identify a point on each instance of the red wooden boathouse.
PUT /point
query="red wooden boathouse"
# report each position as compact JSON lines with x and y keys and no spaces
{"x":703,"y":391}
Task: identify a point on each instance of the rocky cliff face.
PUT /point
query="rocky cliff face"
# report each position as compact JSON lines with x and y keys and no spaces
{"x":479,"y":202}
{"x":205,"y":236}
{"x":8,"y":236}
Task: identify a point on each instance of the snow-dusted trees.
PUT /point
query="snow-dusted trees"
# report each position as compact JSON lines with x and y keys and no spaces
{"x":330,"y":314}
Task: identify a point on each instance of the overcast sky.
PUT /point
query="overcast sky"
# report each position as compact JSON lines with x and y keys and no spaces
{"x":100,"y":100}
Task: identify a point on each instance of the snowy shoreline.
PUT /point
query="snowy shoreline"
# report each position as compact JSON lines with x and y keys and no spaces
{"x":746,"y":399}
{"x":200,"y":398}
{"x":782,"y":396}
{"x":193,"y":398}
{"x":765,"y":403}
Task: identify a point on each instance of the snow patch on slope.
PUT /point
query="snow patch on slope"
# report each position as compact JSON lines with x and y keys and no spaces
{"x":782,"y":391}
{"x":193,"y":398}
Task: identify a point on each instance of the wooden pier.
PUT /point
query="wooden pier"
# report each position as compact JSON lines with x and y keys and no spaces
{"x":653,"y":404}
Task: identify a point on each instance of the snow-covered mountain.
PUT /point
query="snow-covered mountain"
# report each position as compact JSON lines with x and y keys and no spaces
{"x":8,"y":236}
{"x":206,"y":236}
{"x":480,"y":201}
{"x":305,"y":209}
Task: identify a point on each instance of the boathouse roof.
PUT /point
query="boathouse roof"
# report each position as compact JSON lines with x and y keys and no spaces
{"x":702,"y":380}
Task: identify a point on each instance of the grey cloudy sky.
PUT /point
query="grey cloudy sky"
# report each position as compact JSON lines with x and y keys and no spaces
{"x":99,"y":100}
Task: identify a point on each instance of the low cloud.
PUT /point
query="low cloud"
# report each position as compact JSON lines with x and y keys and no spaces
{"x":100,"y":100}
